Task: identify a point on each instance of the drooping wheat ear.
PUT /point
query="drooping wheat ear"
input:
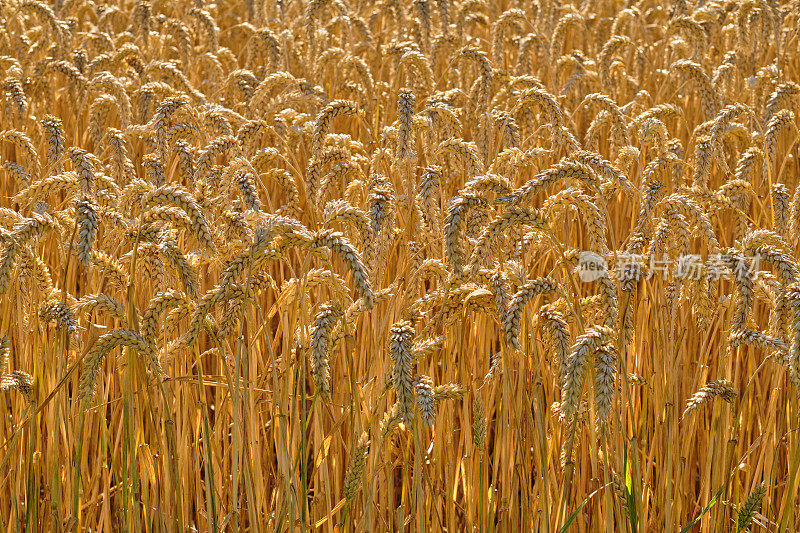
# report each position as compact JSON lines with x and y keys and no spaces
{"x":610,"y":48}
{"x":22,"y":232}
{"x":467,"y":152}
{"x":170,"y":194}
{"x":603,"y":166}
{"x":329,"y":314}
{"x":426,"y":347}
{"x":61,"y":315}
{"x":30,"y":228}
{"x":781,"y":96}
{"x":450,"y":391}
{"x":720,"y":126}
{"x":315,"y":278}
{"x":19,"y":381}
{"x":429,"y":186}
{"x":626,"y":157}
{"x":12,"y":85}
{"x":741,"y":194}
{"x":246,"y":182}
{"x":218,"y":146}
{"x":653,"y":132}
{"x":702,"y":154}
{"x":291,"y":205}
{"x":229,"y":321}
{"x":161,"y":121}
{"x":562,"y":136}
{"x":662,"y":112}
{"x":23,"y":143}
{"x":98,"y":116}
{"x":776,"y":255}
{"x":502,"y":298}
{"x":405,"y":132}
{"x":708,"y":96}
{"x":483,"y":135}
{"x":425,"y":400}
{"x":751,"y":337}
{"x":571,"y":432}
{"x":43,"y":188}
{"x":507,"y":20}
{"x":531,"y":43}
{"x":458,"y":209}
{"x":105,"y":82}
{"x":209,"y":25}
{"x":593,"y":133}
{"x":34,"y":269}
{"x":54,"y":133}
{"x":99,"y":302}
{"x":516,"y":306}
{"x":263,"y":237}
{"x":152,"y":265}
{"x":345,"y":211}
{"x":508,"y":128}
{"x":672,"y":227}
{"x":323,"y":123}
{"x":381,"y":216}
{"x":740,"y":267}
{"x":121,"y":167}
{"x":5,"y":347}
{"x":592,"y":216}
{"x":328,"y":157}
{"x":201,"y":310}
{"x":558,"y":172}
{"x":18,"y":171}
{"x":722,"y":389}
{"x":510,"y":218}
{"x":443,"y":123}
{"x":466,"y":297}
{"x":701,"y":218}
{"x":110,"y":268}
{"x":608,"y":298}
{"x":605,"y":370}
{"x":391,"y":419}
{"x":484,"y":66}
{"x":355,"y":470}
{"x":572,"y":382}
{"x":232,"y":291}
{"x":276,"y":80}
{"x":781,"y":120}
{"x":780,"y":207}
{"x":87,"y":219}
{"x":401,"y":337}
{"x":186,"y":273}
{"x":750,"y":507}
{"x":339,"y":245}
{"x":567,"y":21}
{"x":476,"y":222}
{"x":478,"y":423}
{"x":185,"y":160}
{"x":553,"y":322}
{"x":619,"y":129}
{"x":107,"y":342}
{"x":792,"y":298}
{"x":154,"y":169}
{"x":167,"y":214}
{"x":487,"y":183}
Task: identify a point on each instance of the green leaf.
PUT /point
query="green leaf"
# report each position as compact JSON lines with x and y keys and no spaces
{"x":575,"y":513}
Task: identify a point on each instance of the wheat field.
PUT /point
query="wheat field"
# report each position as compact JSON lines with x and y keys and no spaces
{"x":441,"y":265}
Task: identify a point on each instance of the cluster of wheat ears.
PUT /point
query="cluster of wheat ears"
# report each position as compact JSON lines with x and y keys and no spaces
{"x":439,"y":265}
